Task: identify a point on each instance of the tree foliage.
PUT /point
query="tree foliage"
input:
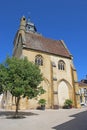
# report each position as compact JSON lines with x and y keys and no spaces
{"x":21,"y":78}
{"x":3,"y":79}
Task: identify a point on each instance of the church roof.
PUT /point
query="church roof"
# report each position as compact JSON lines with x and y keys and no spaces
{"x":82,"y":83}
{"x":37,"y":42}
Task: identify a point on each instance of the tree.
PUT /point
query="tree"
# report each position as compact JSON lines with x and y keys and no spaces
{"x":21,"y":78}
{"x":3,"y":79}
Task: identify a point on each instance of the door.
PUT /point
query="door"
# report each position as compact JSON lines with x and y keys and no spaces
{"x":63,"y":93}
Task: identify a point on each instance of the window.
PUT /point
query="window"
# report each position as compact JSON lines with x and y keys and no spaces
{"x":20,"y":39}
{"x":85,"y":91}
{"x":61,"y":65}
{"x":39,"y":60}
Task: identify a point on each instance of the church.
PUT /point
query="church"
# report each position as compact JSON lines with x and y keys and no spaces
{"x":55,"y":62}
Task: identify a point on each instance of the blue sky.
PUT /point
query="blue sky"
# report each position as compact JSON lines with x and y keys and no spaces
{"x":57,"y":19}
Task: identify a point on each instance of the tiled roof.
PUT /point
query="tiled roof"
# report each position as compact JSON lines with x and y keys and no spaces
{"x":82,"y":83}
{"x":40,"y":43}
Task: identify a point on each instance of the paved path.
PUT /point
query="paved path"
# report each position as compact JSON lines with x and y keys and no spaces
{"x":62,"y":119}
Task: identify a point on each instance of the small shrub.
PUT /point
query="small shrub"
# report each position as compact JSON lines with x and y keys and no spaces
{"x":68,"y":103}
{"x":42,"y":102}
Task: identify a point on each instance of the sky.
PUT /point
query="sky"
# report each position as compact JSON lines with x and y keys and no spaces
{"x":56,"y":19}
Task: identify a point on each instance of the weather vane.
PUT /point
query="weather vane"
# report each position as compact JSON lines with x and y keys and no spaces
{"x":29,"y":16}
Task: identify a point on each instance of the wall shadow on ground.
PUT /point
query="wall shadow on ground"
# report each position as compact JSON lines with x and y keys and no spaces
{"x":78,"y":123}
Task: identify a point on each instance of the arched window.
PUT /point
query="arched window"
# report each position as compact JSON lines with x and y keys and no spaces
{"x":61,"y":65}
{"x":39,"y":60}
{"x":20,"y":39}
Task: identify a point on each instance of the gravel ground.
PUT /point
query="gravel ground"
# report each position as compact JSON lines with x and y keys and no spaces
{"x":61,"y":119}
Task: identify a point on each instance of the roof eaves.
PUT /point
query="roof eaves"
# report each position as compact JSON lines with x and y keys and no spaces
{"x":27,"y":48}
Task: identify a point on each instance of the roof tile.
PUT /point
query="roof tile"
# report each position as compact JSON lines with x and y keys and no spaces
{"x":40,"y":43}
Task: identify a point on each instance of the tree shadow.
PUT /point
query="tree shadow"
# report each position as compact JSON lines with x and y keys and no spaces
{"x":78,"y":123}
{"x":21,"y":114}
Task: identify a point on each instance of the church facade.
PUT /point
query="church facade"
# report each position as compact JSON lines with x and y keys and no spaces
{"x":55,"y":62}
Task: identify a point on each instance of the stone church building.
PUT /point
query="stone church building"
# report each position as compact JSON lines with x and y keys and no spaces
{"x":55,"y":62}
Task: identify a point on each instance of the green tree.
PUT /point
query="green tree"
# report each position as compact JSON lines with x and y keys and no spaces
{"x":3,"y":79}
{"x":21,"y":78}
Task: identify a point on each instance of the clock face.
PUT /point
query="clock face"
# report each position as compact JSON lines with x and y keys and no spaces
{"x":30,"y":26}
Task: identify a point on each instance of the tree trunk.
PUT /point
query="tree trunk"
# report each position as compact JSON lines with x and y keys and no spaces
{"x":17,"y":106}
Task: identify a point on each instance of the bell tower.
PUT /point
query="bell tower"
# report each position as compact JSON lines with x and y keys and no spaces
{"x":30,"y":27}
